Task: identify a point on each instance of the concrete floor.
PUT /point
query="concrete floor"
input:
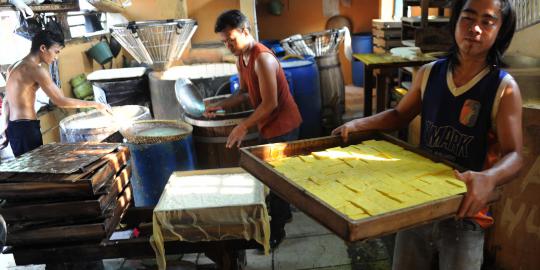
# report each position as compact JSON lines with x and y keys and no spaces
{"x":308,"y":245}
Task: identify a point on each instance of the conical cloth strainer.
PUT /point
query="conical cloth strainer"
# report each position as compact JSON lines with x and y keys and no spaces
{"x":156,"y":43}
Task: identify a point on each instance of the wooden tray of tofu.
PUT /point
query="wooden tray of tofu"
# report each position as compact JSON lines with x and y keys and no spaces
{"x":370,"y":186}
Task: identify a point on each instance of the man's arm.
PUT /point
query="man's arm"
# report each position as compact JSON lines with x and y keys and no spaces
{"x":41,"y":76}
{"x":510,"y":137}
{"x":265,"y":67}
{"x":391,"y":119}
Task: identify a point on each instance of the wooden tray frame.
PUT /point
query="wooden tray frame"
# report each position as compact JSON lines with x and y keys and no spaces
{"x":253,"y":159}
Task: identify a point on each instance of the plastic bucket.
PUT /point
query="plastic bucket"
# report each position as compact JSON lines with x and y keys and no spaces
{"x":101,"y":53}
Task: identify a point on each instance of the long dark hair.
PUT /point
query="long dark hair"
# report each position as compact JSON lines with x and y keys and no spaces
{"x":504,"y":37}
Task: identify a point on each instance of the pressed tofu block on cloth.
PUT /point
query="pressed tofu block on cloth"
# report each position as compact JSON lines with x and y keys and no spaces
{"x":370,"y":178}
{"x":210,"y":205}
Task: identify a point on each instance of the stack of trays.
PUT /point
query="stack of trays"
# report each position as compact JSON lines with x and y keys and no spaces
{"x":386,"y":35}
{"x":65,"y":193}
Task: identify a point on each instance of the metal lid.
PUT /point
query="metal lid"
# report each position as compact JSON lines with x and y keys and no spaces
{"x":189,"y":97}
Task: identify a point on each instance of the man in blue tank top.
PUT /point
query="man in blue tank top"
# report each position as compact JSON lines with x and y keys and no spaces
{"x":467,"y":104}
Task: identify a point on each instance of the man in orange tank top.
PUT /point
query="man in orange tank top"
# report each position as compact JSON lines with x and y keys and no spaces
{"x":276,"y":114}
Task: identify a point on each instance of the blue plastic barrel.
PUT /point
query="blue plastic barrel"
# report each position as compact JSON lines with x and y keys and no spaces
{"x":307,"y":94}
{"x":361,"y":43}
{"x":235,"y":82}
{"x":158,"y":148}
{"x":275,"y":46}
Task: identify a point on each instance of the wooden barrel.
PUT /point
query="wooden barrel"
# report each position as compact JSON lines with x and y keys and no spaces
{"x":210,"y":136}
{"x":332,"y":91}
{"x":514,"y":240}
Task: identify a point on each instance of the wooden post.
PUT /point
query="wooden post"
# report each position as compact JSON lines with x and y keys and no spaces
{"x":248,"y":8}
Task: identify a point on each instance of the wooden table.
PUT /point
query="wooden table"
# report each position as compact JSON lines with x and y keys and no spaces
{"x":227,"y":254}
{"x":373,"y":61}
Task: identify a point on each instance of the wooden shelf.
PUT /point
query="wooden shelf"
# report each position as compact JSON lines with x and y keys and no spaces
{"x":433,"y":3}
{"x":59,"y":7}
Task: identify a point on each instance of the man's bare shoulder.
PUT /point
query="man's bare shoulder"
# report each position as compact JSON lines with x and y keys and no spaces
{"x":266,"y":61}
{"x":27,"y":70}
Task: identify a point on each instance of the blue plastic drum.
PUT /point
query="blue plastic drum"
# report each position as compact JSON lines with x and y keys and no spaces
{"x":158,"y":148}
{"x":235,"y":82}
{"x":361,"y":43}
{"x":307,"y":94}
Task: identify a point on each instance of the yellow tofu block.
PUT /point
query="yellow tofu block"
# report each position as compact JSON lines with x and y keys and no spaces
{"x":455,"y":182}
{"x":433,"y":190}
{"x":320,"y":179}
{"x":386,"y":202}
{"x":359,"y":216}
{"x":308,"y":158}
{"x":383,"y":146}
{"x":335,"y":169}
{"x":350,"y":209}
{"x":419,"y":197}
{"x":333,"y":154}
{"x":359,"y":187}
{"x":368,"y":206}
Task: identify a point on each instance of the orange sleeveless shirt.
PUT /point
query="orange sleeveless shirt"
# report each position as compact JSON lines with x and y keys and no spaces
{"x":286,"y":115}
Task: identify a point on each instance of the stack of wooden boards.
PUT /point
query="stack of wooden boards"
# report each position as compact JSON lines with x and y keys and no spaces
{"x":386,"y":35}
{"x":65,"y":193}
{"x":370,"y":178}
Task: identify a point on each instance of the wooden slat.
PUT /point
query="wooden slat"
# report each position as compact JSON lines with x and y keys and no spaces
{"x":36,"y":190}
{"x":58,"y":235}
{"x":253,"y":159}
{"x":120,"y":208}
{"x":112,"y":191}
{"x":60,"y":210}
{"x":132,"y":248}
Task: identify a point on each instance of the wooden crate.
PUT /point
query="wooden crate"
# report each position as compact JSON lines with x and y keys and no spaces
{"x":253,"y":159}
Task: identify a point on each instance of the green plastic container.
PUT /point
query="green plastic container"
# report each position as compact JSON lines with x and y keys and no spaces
{"x":77,"y":80}
{"x":83,"y":90}
{"x":101,"y":53}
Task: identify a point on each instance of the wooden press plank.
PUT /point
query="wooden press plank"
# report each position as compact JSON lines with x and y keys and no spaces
{"x":60,"y":210}
{"x":120,"y":208}
{"x":35,"y":190}
{"x":115,"y":162}
{"x":114,"y":189}
{"x":116,"y":159}
{"x":253,"y":159}
{"x":57,"y":235}
{"x":59,"y":158}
